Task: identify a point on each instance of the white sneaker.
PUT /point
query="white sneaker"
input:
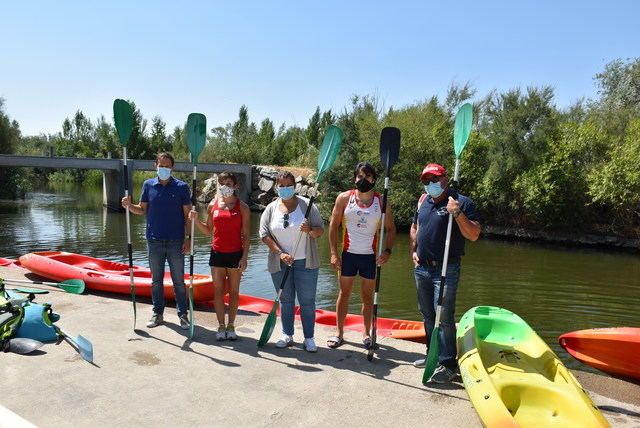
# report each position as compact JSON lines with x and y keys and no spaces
{"x":221,"y":334}
{"x":284,"y":341}
{"x":310,"y":345}
{"x":421,"y":363}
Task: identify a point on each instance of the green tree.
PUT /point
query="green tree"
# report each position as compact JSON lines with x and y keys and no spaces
{"x":159,"y":142}
{"x":12,"y":184}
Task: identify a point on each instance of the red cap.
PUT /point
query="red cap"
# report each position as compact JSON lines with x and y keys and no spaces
{"x":433,"y":169}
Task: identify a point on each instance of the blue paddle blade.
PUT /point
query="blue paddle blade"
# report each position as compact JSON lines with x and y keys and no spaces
{"x":86,"y":348}
{"x":123,"y":118}
{"x":329,"y":149}
{"x":464,"y":121}
{"x":389,"y":146}
{"x":196,"y":135}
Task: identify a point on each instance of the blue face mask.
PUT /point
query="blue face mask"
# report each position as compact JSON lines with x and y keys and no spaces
{"x":434,"y":189}
{"x":286,"y":192}
{"x":164,"y":173}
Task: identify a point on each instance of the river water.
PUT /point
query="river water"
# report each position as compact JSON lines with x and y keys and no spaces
{"x":554,"y":289}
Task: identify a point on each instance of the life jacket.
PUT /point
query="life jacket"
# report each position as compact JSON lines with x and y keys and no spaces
{"x":11,"y":315}
{"x":30,"y":320}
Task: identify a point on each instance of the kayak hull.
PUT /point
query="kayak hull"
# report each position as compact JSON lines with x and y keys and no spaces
{"x":9,"y":263}
{"x":512,"y":377}
{"x":612,"y":350}
{"x":103,"y":275}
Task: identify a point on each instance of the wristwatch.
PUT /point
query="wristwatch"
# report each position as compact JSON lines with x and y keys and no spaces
{"x":187,"y":236}
{"x":456,"y":213}
{"x":387,"y":250}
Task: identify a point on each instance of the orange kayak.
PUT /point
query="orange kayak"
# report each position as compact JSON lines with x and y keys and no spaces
{"x":103,"y":275}
{"x":612,"y":350}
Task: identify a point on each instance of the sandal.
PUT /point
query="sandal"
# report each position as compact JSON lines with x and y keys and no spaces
{"x":366,"y":341}
{"x":335,"y":342}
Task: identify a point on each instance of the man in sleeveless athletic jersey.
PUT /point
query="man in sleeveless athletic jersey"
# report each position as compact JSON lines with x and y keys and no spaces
{"x":428,"y":234}
{"x":228,"y":224}
{"x":359,"y":211}
{"x":166,"y":201}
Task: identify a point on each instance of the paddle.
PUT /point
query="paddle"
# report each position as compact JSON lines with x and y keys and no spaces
{"x":123,"y":118}
{"x":327,"y":156}
{"x":461,"y":132}
{"x":80,"y":343}
{"x":389,"y":152}
{"x":21,"y":345}
{"x":196,"y":139}
{"x":73,"y":286}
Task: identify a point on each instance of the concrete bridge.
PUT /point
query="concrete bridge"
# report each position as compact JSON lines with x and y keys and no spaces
{"x":113,"y":176}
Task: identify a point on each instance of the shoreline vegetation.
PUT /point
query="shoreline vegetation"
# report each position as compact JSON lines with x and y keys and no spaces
{"x":536,"y":171}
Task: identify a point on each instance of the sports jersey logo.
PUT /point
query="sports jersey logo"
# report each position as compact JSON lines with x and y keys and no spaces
{"x":442,"y":211}
{"x":216,"y":213}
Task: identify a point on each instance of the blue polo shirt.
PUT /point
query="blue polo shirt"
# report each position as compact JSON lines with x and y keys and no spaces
{"x":165,"y":216}
{"x":432,"y":220}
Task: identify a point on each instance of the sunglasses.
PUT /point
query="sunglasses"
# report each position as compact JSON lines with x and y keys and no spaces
{"x":285,"y":224}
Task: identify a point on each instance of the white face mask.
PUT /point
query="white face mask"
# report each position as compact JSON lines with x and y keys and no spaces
{"x":226,"y":191}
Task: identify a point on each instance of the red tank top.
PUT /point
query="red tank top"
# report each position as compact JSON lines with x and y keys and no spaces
{"x":227,"y":228}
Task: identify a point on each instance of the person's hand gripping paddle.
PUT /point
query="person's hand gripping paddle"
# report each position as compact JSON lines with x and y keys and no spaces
{"x":196,"y":139}
{"x":327,"y":156}
{"x":464,"y":119}
{"x":389,"y":152}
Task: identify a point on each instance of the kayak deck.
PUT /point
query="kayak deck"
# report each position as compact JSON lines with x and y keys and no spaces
{"x":514,"y":379}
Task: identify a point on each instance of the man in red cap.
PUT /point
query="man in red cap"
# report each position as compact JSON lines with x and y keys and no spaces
{"x":428,"y":234}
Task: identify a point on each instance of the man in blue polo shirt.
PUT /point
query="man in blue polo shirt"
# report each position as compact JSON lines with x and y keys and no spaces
{"x":166,"y":201}
{"x":428,"y":234}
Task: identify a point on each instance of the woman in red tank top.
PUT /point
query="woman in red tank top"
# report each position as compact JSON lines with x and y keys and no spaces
{"x":228,"y":225}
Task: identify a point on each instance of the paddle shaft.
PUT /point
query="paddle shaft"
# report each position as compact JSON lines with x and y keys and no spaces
{"x":24,"y":281}
{"x":374,"y":317}
{"x":445,"y":259}
{"x":129,"y":251}
{"x":193,"y":225}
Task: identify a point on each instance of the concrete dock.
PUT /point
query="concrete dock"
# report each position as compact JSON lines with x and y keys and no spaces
{"x":157,"y":377}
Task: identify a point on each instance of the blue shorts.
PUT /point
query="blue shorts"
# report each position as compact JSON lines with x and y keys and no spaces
{"x":352,"y":264}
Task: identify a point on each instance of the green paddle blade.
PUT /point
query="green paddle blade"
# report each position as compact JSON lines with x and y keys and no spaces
{"x":196,"y":135}
{"x":389,"y":146}
{"x":329,"y":149}
{"x":74,"y":286}
{"x":432,"y":356}
{"x":31,"y":290}
{"x":123,"y":118}
{"x":464,"y":119}
{"x":269,"y":325}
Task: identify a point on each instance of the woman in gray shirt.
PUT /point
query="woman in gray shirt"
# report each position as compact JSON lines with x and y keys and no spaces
{"x":280,"y":226}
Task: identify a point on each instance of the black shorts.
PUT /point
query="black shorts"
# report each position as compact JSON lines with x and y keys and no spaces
{"x":352,"y":264}
{"x":225,"y":260}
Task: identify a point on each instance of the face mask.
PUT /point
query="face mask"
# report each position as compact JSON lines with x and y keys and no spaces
{"x":226,"y":191}
{"x":164,"y":173}
{"x":434,"y":189}
{"x":286,"y":192}
{"x":364,"y":185}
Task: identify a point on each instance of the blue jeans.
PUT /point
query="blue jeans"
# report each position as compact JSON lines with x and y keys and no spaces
{"x":170,"y":251}
{"x":301,"y":282}
{"x":428,"y":287}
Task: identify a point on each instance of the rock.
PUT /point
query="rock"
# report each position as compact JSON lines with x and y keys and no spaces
{"x":268,"y":173}
{"x":209,"y":190}
{"x":304,"y":190}
{"x":300,"y":179}
{"x":265,"y":198}
{"x":265,"y":184}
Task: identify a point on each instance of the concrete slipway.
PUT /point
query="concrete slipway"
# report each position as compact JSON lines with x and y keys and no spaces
{"x":156,"y":377}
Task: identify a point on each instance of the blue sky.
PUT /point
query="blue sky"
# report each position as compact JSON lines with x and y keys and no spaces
{"x":282,"y":59}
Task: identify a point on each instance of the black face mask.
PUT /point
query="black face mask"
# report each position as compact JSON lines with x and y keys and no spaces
{"x":364,"y":185}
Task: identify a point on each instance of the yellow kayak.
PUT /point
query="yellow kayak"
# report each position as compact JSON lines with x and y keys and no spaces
{"x":512,"y":377}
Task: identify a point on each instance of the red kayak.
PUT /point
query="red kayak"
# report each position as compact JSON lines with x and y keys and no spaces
{"x":612,"y":350}
{"x":9,"y":263}
{"x":388,"y":327}
{"x":103,"y":275}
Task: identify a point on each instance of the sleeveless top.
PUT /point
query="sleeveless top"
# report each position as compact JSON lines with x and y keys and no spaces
{"x":227,"y":228}
{"x":361,"y":225}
